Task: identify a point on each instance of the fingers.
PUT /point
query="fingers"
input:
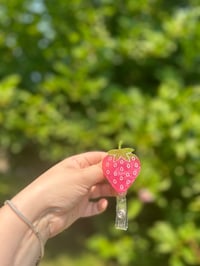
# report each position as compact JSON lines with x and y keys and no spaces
{"x":85,"y":159}
{"x":95,"y":208}
{"x":89,"y":164}
{"x":102,"y":190}
{"x":92,"y":175}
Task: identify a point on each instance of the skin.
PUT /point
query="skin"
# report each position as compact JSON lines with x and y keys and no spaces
{"x":53,"y":202}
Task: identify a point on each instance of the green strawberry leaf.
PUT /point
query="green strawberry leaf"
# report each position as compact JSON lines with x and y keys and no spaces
{"x":125,"y":153}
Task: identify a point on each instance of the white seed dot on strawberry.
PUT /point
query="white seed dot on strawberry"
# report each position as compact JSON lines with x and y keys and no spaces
{"x":121,"y":169}
{"x":108,"y":172}
{"x":121,"y":178}
{"x":121,"y":187}
{"x":114,"y":181}
{"x":128,"y":165}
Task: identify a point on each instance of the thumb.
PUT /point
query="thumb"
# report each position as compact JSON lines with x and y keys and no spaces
{"x":93,"y":174}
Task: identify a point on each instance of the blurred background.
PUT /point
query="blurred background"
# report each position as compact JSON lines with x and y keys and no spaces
{"x":81,"y":75}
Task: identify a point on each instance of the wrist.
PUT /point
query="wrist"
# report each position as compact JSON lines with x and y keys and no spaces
{"x":33,"y":211}
{"x":26,"y":242}
{"x":33,"y":227}
{"x":20,"y":245}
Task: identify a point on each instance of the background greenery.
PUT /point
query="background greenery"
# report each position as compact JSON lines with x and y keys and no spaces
{"x":81,"y":75}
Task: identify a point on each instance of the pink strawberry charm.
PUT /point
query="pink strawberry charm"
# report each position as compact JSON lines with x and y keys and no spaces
{"x":121,"y":167}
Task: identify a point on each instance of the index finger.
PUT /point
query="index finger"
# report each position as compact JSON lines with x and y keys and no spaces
{"x":86,"y":159}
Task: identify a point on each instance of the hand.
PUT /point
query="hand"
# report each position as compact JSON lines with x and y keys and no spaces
{"x":68,"y":188}
{"x":52,"y":203}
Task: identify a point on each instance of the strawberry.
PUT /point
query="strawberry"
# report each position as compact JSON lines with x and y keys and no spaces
{"x":121,"y":167}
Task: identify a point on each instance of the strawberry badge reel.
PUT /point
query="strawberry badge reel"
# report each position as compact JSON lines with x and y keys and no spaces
{"x":121,"y":167}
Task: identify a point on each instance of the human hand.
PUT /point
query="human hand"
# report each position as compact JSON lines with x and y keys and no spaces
{"x":67,"y":191}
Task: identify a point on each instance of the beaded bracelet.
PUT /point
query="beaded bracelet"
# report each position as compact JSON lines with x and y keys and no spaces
{"x":27,"y":222}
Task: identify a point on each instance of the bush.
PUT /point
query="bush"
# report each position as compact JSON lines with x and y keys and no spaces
{"x":82,"y":75}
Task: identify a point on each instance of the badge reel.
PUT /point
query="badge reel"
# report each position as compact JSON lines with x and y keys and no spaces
{"x":121,"y":167}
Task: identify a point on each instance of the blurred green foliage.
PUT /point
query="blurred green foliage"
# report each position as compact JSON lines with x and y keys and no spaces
{"x":82,"y":75}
